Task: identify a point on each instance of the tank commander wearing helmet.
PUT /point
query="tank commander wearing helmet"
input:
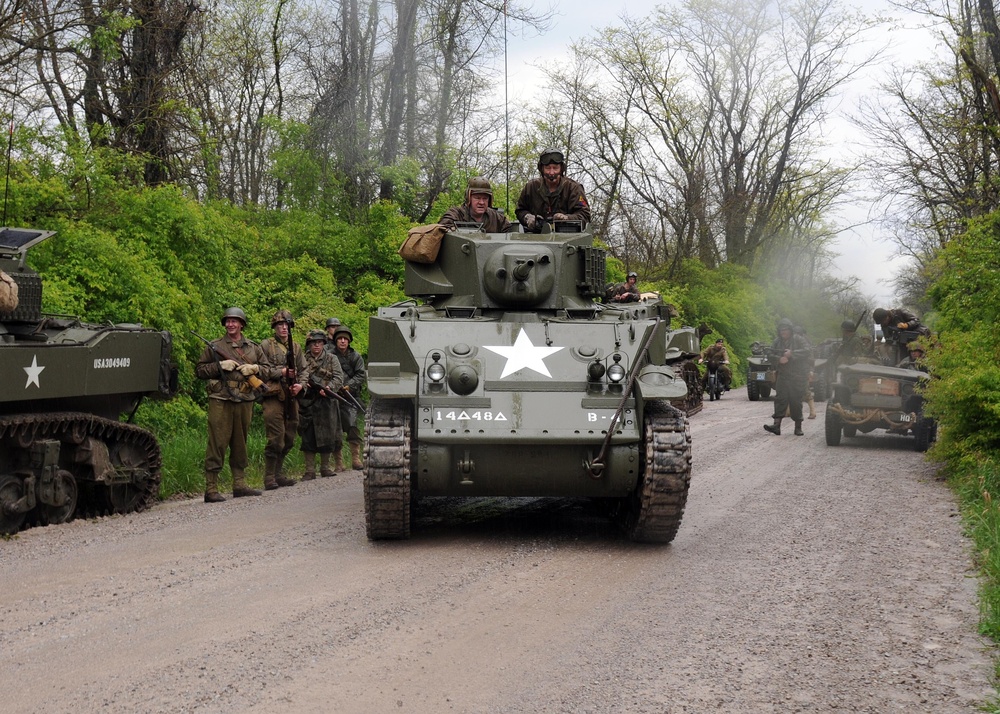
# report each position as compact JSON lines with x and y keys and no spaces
{"x":625,"y":292}
{"x":230,"y":365}
{"x":353,"y":367}
{"x":478,"y":208}
{"x":552,"y":196}
{"x":280,"y":405}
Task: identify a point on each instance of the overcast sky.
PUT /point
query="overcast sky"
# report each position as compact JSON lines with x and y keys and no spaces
{"x":861,"y":251}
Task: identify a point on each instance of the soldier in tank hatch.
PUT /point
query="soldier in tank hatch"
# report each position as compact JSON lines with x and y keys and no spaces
{"x":478,"y":208}
{"x":552,"y":196}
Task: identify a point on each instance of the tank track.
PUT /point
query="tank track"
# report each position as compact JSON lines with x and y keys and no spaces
{"x":19,"y":430}
{"x":653,"y":512}
{"x":694,"y":401}
{"x":387,"y":470}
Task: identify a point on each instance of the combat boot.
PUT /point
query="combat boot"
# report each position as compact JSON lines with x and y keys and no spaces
{"x":240,"y":488}
{"x":310,"y":458}
{"x":338,"y":456}
{"x":774,"y":428}
{"x":324,"y":466}
{"x":212,"y":494}
{"x":269,"y":465}
{"x":279,"y":478}
{"x":356,"y":456}
{"x":798,"y":429}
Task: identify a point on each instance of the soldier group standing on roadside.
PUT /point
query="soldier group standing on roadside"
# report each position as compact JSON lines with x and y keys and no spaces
{"x":313,"y":393}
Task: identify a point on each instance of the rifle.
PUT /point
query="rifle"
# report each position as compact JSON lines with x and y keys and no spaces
{"x":290,"y":375}
{"x":256,"y":384}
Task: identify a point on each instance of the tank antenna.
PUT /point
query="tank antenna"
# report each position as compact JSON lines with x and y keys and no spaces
{"x":506,"y":117}
{"x":10,"y":137}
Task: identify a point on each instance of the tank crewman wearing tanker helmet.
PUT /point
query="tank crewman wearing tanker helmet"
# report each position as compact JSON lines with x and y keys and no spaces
{"x":793,"y":368}
{"x":280,"y":405}
{"x":552,"y":196}
{"x":478,"y":208}
{"x":353,"y":367}
{"x":320,"y":419}
{"x":230,"y":365}
{"x":624,"y":292}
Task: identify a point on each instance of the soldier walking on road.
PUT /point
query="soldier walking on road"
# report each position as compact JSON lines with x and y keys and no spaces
{"x":229,"y":364}
{"x":319,"y":426}
{"x":794,"y":363}
{"x":281,"y":410}
{"x":353,"y":367}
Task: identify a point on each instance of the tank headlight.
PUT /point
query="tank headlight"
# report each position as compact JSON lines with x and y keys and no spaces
{"x":616,"y":373}
{"x":435,"y":372}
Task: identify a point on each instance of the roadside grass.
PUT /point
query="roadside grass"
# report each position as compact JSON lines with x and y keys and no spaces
{"x":183,"y":470}
{"x":977,"y":484}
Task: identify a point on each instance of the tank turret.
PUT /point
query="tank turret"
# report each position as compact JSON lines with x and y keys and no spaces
{"x":504,"y":375}
{"x":63,"y":446}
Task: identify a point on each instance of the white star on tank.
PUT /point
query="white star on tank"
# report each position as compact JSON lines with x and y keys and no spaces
{"x":524,"y":355}
{"x":33,"y":371}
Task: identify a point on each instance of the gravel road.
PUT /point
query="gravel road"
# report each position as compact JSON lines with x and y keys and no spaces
{"x":804,"y":578}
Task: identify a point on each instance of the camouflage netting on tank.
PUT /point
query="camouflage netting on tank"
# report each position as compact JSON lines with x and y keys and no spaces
{"x":8,"y":293}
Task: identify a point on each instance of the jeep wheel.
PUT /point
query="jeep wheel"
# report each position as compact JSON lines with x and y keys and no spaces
{"x":753,"y":394}
{"x":833,"y":426}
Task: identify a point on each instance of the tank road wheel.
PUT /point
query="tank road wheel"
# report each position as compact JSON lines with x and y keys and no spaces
{"x":753,"y":393}
{"x":833,"y":426}
{"x":11,"y":490}
{"x":652,"y":513}
{"x":387,"y":470}
{"x":142,"y":486}
{"x":66,"y":494}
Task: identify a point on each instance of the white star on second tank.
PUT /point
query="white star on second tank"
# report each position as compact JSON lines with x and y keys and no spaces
{"x":524,"y":355}
{"x":33,"y":371}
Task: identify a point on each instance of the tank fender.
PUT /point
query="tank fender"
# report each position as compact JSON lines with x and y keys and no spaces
{"x":385,"y":379}
{"x":659,"y":382}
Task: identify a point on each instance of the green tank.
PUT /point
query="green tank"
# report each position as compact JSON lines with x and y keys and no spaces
{"x":503,"y":376}
{"x":63,"y":448}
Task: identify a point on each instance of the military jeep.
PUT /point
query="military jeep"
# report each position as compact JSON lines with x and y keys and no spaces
{"x":876,"y":394}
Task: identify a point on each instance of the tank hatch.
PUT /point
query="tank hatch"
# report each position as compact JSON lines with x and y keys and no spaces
{"x":14,"y":246}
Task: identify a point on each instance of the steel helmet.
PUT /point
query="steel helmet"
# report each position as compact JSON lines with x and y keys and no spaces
{"x":915,"y":347}
{"x":343,"y":330}
{"x":478,"y":184}
{"x":234,"y":312}
{"x":316,"y":336}
{"x":848,"y":325}
{"x":332,"y":322}
{"x":785,"y":324}
{"x":282,"y":316}
{"x":551,"y":156}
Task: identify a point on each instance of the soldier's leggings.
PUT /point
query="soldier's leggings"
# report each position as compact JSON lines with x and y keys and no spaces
{"x":280,"y":433}
{"x":228,"y":427}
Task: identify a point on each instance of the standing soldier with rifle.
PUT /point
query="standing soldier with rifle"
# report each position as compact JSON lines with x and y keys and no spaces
{"x":793,"y":356}
{"x":353,"y":367}
{"x":319,"y":426}
{"x":286,"y":375}
{"x":229,"y":364}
